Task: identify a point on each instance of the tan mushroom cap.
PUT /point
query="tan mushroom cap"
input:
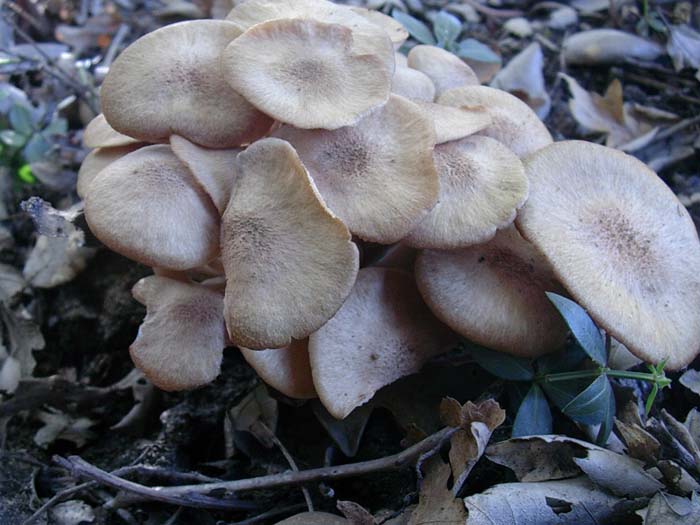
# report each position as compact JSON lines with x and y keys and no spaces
{"x":148,"y":207}
{"x":494,"y":294}
{"x":99,"y":134}
{"x":446,"y":70}
{"x":382,"y":332}
{"x":482,"y":184}
{"x":170,"y":82}
{"x":514,"y":123}
{"x":289,"y":262}
{"x":180,"y":344}
{"x":308,"y":75}
{"x":400,"y":60}
{"x":213,"y":169}
{"x":396,"y":31}
{"x":412,"y":84}
{"x":621,"y":243}
{"x":377,"y":176}
{"x":95,"y":161}
{"x":285,"y":369}
{"x":368,"y":38}
{"x":453,"y":123}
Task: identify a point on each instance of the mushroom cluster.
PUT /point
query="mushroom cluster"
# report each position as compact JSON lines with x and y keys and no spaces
{"x":342,"y":212}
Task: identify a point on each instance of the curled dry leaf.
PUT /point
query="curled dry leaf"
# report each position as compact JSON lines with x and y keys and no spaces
{"x":314,"y":518}
{"x":684,"y":48}
{"x":436,"y":502}
{"x":56,"y":260}
{"x":691,"y":380}
{"x":666,"y":509}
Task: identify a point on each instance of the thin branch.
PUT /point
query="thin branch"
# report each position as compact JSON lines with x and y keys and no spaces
{"x":490,"y":12}
{"x":197,"y":495}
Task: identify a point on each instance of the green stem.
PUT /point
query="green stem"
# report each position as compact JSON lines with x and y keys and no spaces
{"x":582,"y":374}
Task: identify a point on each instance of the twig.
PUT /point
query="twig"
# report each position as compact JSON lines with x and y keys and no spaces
{"x":680,"y":126}
{"x":196,"y":495}
{"x":669,"y":90}
{"x":490,"y":12}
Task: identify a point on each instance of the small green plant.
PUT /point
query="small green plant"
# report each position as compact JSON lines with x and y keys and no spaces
{"x":576,"y":380}
{"x":650,"y":20}
{"x":445,"y":34}
{"x":27,"y":134}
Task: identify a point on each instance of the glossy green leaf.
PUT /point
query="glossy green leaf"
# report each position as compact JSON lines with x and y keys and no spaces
{"x":58,"y":126}
{"x":561,"y":393}
{"x":447,"y":28}
{"x":21,"y":119}
{"x":564,"y":360}
{"x":36,"y":149}
{"x":503,"y":365}
{"x":415,"y":27}
{"x":591,"y":406}
{"x":25,"y":174}
{"x":606,"y":425}
{"x":534,"y":416}
{"x":582,"y":326}
{"x":475,"y":50}
{"x":12,"y":138}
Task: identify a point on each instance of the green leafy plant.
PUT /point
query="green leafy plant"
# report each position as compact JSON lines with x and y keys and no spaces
{"x":445,"y":34}
{"x":27,"y":134}
{"x":576,"y":380}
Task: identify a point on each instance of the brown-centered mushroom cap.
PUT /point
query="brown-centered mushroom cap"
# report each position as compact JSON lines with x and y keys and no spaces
{"x":453,"y":123}
{"x":382,"y":332}
{"x":446,"y":70}
{"x":285,"y":369}
{"x":95,"y":161}
{"x":482,"y":184}
{"x":412,"y":84}
{"x":290,"y":263}
{"x":170,"y":82}
{"x":514,"y":123}
{"x":181,"y":341}
{"x":309,"y":75}
{"x":213,"y":169}
{"x":99,"y":134}
{"x":622,"y":244}
{"x":148,"y":207}
{"x":494,"y":294}
{"x":377,"y":176}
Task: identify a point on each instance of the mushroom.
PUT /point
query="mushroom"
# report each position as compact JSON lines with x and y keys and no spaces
{"x":309,"y":75}
{"x":99,"y":134}
{"x":396,"y":31}
{"x":514,"y":123}
{"x":377,"y":176}
{"x":148,"y":207}
{"x":285,"y":369}
{"x":453,"y":123}
{"x":213,"y":169}
{"x":494,"y":294}
{"x":382,"y":332}
{"x":289,"y":262}
{"x":621,"y":243}
{"x":482,"y":184}
{"x":181,"y":341}
{"x":98,"y":159}
{"x":170,"y":82}
{"x":446,"y":70}
{"x":412,"y":84}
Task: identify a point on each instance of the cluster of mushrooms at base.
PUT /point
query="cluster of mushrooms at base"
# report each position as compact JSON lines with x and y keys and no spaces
{"x":342,"y":213}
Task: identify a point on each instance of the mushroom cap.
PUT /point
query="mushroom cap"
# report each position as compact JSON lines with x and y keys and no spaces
{"x":494,"y":294}
{"x":170,"y":82}
{"x":368,"y":37}
{"x":213,"y":169}
{"x":309,"y":74}
{"x":482,"y":184}
{"x":148,"y":207}
{"x":289,"y":262}
{"x":452,"y":123}
{"x":622,"y":244}
{"x":377,"y":176}
{"x":446,"y":70}
{"x":382,"y":332}
{"x":514,"y":123}
{"x":396,"y":31}
{"x":99,"y":134}
{"x":412,"y":84}
{"x":95,"y":161}
{"x":285,"y":369}
{"x":180,"y":344}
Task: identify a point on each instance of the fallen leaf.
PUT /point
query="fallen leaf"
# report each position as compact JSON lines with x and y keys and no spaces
{"x":684,"y":47}
{"x":692,"y":423}
{"x":436,"y":502}
{"x":640,"y":443}
{"x":691,"y":380}
{"x":48,"y":220}
{"x":665,"y":509}
{"x":355,"y":513}
{"x":11,"y":282}
{"x":56,"y":260}
{"x":58,"y":425}
{"x":314,"y":518}
{"x":72,"y":512}
{"x":145,"y":396}
{"x":607,"y":46}
{"x":677,"y":478}
{"x":23,"y":337}
{"x":256,"y":414}
{"x":574,"y":501}
{"x":523,"y":77}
